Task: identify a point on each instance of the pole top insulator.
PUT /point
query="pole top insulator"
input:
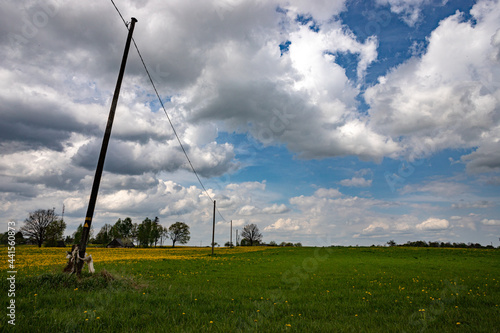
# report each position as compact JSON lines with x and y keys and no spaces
{"x":134,"y":19}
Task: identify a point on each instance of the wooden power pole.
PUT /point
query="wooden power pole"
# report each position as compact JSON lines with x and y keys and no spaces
{"x":100,"y":164}
{"x":213,"y":232}
{"x":231,"y":235}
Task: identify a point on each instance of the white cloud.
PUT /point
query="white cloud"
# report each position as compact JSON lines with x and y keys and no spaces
{"x":433,"y":224}
{"x":327,"y":193}
{"x":448,"y":97}
{"x":376,"y":227}
{"x":410,"y":10}
{"x":276,"y":209}
{"x":321,"y":10}
{"x":491,"y":222}
{"x":248,"y":210}
{"x":356,"y":182}
{"x":285,"y":225}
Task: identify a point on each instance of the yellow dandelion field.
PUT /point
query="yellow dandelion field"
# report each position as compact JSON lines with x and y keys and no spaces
{"x":35,"y":257}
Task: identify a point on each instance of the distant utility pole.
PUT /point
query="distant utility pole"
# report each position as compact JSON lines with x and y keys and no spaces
{"x":102,"y":155}
{"x":213,"y":232}
{"x":236,"y":237}
{"x":231,"y":235}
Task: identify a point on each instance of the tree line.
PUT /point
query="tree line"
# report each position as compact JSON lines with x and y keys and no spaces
{"x":44,"y":227}
{"x":421,"y":243}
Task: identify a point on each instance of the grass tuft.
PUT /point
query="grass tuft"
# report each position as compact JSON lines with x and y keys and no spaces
{"x":87,"y":281}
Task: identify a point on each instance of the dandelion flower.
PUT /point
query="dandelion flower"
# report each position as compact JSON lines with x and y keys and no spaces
{"x":211,"y":322}
{"x":288,"y":325}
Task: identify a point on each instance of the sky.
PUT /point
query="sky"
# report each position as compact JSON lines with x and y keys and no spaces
{"x":341,"y":122}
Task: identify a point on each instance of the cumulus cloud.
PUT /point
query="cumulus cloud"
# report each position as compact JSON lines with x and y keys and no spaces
{"x":433,"y":224}
{"x":409,"y":10}
{"x":285,"y":225}
{"x":485,"y":158}
{"x":248,"y":210}
{"x":490,"y":222}
{"x":356,"y":182}
{"x":376,"y":227}
{"x":276,"y":209}
{"x":447,"y":97}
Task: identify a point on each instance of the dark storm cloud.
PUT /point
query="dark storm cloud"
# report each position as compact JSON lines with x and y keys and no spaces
{"x":37,"y":125}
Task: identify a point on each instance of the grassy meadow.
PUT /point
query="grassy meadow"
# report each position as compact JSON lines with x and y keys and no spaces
{"x":258,"y":289}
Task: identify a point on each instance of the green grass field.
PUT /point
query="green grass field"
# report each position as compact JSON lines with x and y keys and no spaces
{"x":273,"y":290}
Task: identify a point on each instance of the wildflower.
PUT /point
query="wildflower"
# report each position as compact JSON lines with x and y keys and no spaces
{"x":98,"y":318}
{"x":458,"y":323}
{"x":211,"y":322}
{"x":288,"y":325}
{"x":84,"y":311}
{"x":76,"y":288}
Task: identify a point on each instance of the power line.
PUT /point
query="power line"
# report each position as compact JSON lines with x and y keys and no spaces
{"x":166,"y":113}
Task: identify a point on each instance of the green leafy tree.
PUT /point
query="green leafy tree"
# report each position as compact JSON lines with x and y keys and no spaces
{"x":104,"y":236}
{"x":77,"y":235}
{"x":163,"y":234}
{"x":155,"y":231}
{"x":179,"y":232}
{"x":19,"y":238}
{"x":122,"y":228}
{"x":252,"y":234}
{"x":69,"y":240}
{"x":55,"y":232}
{"x":35,"y":226}
{"x":144,"y":232}
{"x":134,"y":232}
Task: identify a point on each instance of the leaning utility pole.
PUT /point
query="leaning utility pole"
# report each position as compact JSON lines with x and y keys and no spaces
{"x":102,"y":155}
{"x":213,"y":232}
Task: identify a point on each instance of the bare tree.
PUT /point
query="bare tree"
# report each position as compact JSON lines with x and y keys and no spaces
{"x":251,"y":233}
{"x":35,"y":226}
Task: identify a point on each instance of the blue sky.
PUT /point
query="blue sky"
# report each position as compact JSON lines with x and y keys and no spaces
{"x":323,"y":122}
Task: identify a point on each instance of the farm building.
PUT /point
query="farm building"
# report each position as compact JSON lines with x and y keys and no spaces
{"x":119,"y":242}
